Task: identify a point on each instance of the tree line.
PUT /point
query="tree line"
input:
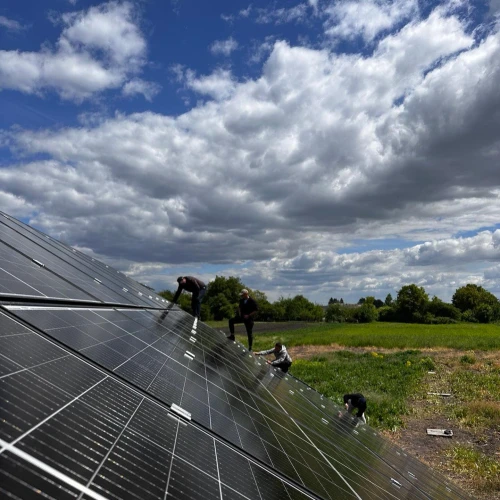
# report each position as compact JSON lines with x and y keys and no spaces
{"x":470,"y":303}
{"x":223,"y":295}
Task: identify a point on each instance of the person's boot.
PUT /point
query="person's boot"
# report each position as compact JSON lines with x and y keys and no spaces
{"x":231,"y":337}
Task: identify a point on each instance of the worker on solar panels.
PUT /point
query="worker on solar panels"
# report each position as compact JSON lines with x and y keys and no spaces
{"x":197,"y":289}
{"x":282,"y":360}
{"x":247,"y":309}
{"x":356,"y":401}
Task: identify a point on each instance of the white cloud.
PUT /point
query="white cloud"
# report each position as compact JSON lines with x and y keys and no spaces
{"x":137,"y":86}
{"x":262,"y":50}
{"x":314,"y":4}
{"x":246,"y":12}
{"x":219,"y":85}
{"x":296,"y":13}
{"x":10,"y":24}
{"x":98,"y":50}
{"x":224,"y":47}
{"x":366,"y":18}
{"x":285,"y":172}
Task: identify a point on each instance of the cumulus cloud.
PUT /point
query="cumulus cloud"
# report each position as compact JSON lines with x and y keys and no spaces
{"x":218,"y":85}
{"x":224,"y":47}
{"x":98,"y":50}
{"x":366,"y":18}
{"x":290,"y":173}
{"x":137,"y":86}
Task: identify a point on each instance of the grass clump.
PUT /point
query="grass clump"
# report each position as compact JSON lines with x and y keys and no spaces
{"x":386,"y":380}
{"x":467,"y":359}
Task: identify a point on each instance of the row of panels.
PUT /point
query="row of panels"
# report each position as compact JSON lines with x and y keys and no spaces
{"x":68,"y":429}
{"x":232,"y":393}
{"x":33,"y":265}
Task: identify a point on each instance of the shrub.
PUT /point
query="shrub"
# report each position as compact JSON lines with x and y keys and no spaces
{"x":366,"y":313}
{"x":386,"y":313}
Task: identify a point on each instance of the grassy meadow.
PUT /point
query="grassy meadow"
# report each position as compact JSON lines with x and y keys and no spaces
{"x":390,"y":363}
{"x":462,"y":336}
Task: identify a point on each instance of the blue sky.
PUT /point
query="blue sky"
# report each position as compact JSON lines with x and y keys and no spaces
{"x":332,"y":149}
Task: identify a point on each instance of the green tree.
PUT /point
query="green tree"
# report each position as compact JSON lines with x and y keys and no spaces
{"x":388,"y":300}
{"x":476,"y":303}
{"x":411,"y":303}
{"x":335,"y":313}
{"x":299,"y":309}
{"x":266,"y":309}
{"x":471,"y":296}
{"x":366,"y":313}
{"x":387,"y":313}
{"x":369,"y":300}
{"x":441,"y":309}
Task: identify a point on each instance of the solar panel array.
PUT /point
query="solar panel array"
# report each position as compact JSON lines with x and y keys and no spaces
{"x":105,"y":394}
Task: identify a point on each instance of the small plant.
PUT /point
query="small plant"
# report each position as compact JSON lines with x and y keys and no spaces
{"x":467,"y":359}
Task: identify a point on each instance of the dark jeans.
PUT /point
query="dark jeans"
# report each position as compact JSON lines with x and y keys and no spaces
{"x":248,"y":325}
{"x":196,"y":302}
{"x":361,"y":406}
{"x":283,"y":366}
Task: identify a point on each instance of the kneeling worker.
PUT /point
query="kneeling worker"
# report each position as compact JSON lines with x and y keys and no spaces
{"x":283,"y":359}
{"x":356,"y":401}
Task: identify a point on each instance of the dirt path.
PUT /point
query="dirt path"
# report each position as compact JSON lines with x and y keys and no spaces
{"x":430,"y":412}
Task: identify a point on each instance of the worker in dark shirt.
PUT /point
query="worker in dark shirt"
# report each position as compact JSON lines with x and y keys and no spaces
{"x":247,"y":309}
{"x":197,"y":289}
{"x":356,"y":401}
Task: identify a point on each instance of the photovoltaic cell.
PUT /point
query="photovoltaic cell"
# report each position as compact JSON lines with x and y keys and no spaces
{"x":106,"y":395}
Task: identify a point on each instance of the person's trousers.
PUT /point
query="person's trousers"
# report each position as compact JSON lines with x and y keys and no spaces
{"x":283,"y":366}
{"x":248,"y":325}
{"x":196,"y":302}
{"x":361,"y":407}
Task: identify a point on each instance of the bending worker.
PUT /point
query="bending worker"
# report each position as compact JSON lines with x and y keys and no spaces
{"x":356,"y":401}
{"x":197,"y":289}
{"x":282,"y":358}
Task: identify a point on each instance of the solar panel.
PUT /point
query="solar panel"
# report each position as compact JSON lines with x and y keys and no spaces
{"x":106,"y":395}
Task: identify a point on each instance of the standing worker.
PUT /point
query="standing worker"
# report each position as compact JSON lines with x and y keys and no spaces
{"x":282,"y":358}
{"x":247,"y":309}
{"x":197,"y":289}
{"x":356,"y":401}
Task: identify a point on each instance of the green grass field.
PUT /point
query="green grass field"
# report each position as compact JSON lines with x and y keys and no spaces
{"x":462,"y":336}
